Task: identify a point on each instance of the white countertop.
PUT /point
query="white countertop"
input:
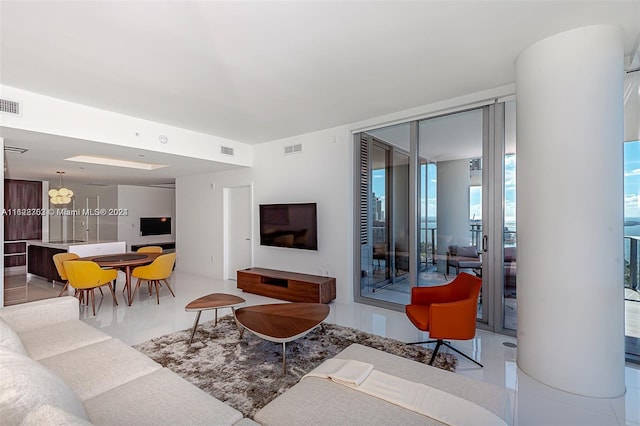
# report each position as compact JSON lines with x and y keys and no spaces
{"x":65,"y":244}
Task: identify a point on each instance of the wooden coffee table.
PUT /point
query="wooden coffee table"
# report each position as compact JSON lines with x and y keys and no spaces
{"x":212,"y":301}
{"x":281,"y":322}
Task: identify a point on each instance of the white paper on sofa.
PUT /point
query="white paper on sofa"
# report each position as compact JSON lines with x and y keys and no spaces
{"x":349,"y":372}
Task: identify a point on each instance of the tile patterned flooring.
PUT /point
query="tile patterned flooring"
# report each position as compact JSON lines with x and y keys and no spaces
{"x":533,"y":402}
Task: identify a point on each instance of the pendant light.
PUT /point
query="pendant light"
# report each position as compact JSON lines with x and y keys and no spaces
{"x":61,"y":195}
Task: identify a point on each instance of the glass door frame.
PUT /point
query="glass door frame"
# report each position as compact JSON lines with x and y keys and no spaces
{"x":493,"y":140}
{"x":493,"y":196}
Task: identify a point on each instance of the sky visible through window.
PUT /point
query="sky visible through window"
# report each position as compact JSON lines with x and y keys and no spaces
{"x":428,"y":177}
{"x":632,"y":181}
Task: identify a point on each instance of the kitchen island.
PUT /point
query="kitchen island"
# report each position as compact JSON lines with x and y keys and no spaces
{"x":40,"y":253}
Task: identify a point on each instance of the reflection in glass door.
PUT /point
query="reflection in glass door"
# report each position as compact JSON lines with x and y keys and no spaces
{"x":510,"y":308}
{"x":384,"y":215}
{"x":451,"y":196}
{"x":380,"y":270}
{"x":458,"y":221}
{"x":427,"y":216}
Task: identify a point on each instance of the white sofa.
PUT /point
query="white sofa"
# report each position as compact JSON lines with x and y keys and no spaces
{"x":56,"y":369}
{"x":319,"y":401}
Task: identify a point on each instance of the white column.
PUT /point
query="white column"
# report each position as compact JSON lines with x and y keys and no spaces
{"x":570,"y":211}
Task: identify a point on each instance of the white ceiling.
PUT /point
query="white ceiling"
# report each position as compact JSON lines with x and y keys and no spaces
{"x":260,"y":71}
{"x":46,"y":154}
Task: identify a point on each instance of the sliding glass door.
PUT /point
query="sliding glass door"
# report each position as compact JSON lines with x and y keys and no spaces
{"x":632,"y":255}
{"x":384,"y":213}
{"x":431,"y":207}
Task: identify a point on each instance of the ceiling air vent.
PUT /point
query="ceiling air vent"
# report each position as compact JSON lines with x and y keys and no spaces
{"x":9,"y":107}
{"x":226,"y":150}
{"x":293,"y":149}
{"x":15,"y":149}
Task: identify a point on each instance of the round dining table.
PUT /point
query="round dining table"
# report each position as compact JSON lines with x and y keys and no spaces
{"x":125,"y":262}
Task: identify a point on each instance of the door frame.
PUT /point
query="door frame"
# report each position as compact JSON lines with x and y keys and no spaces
{"x":493,"y":140}
{"x":225,"y":227}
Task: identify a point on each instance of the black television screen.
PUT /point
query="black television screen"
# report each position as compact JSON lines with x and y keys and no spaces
{"x":289,"y":225}
{"x":155,"y":225}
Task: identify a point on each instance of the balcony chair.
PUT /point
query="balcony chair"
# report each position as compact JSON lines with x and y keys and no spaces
{"x":159,"y":270}
{"x":446,"y":312}
{"x":58,"y":260}
{"x":379,"y":253}
{"x":463,"y":257}
{"x":85,"y":276}
{"x":149,"y":249}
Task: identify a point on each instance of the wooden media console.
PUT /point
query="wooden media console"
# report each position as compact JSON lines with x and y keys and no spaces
{"x":289,"y":286}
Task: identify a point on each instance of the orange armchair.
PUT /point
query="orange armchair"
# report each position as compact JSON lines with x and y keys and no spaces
{"x":446,"y":312}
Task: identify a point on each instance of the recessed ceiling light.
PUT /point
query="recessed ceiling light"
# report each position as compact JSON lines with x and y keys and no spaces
{"x":106,"y":161}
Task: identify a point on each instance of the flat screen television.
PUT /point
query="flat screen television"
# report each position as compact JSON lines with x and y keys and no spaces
{"x":155,"y":225}
{"x":289,"y":225}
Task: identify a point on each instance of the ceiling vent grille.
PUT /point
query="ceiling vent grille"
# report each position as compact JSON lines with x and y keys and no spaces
{"x":9,"y":107}
{"x":15,"y":149}
{"x":226,"y":150}
{"x":293,"y":149}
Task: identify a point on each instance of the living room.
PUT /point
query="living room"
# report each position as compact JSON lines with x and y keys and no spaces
{"x":322,"y":171}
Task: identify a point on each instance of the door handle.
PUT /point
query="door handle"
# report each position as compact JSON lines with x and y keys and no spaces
{"x":485,"y":243}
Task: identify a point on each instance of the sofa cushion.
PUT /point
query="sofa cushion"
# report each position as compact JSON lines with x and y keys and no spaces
{"x":328,"y":403}
{"x":26,"y":385}
{"x":94,"y":369}
{"x":61,"y":337}
{"x":9,"y":339}
{"x":41,"y":313}
{"x":51,"y":415}
{"x":467,"y":251}
{"x":161,"y":397}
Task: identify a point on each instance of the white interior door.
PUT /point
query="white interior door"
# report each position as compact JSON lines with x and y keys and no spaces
{"x":85,"y":226}
{"x":237,"y":230}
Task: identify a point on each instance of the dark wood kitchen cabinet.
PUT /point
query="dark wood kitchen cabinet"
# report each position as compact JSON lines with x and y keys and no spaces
{"x":41,"y":262}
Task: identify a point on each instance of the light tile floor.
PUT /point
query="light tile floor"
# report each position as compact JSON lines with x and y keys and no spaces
{"x":534,"y":403}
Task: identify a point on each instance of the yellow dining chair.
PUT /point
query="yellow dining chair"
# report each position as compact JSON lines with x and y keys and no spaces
{"x":58,"y":260}
{"x":149,"y":249}
{"x":159,"y":270}
{"x":85,"y":276}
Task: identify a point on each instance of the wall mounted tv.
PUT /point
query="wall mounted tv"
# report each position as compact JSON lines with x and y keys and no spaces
{"x":289,"y":225}
{"x":155,"y":225}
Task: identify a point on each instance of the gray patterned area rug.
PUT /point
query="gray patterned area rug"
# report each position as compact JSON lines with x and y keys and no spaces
{"x":247,"y":374}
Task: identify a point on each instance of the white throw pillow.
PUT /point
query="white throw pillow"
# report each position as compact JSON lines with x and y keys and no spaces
{"x":50,"y":415}
{"x":9,"y":339}
{"x":26,"y":385}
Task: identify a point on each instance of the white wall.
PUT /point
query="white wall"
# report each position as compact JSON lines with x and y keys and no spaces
{"x":199,"y":209}
{"x":45,"y":114}
{"x":142,"y":201}
{"x":321,"y":173}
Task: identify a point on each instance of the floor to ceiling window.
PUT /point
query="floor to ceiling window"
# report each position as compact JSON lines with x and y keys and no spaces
{"x":425,"y":213}
{"x":384,"y":212}
{"x":510,"y":240}
{"x":632,"y":236}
